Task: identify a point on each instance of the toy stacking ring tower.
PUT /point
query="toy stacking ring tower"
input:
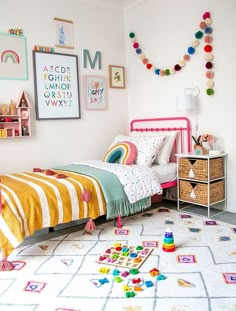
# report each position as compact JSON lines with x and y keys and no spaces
{"x":168,"y":244}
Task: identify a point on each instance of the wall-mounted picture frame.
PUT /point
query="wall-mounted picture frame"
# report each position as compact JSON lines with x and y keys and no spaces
{"x":116,"y":76}
{"x":95,"y":92}
{"x":56,"y":86}
{"x":64,"y":33}
{"x":13,"y":57}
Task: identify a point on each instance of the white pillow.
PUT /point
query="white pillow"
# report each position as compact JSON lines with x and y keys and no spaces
{"x":147,"y":147}
{"x":163,"y":156}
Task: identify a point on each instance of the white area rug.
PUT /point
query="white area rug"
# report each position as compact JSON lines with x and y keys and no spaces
{"x":62,"y":274}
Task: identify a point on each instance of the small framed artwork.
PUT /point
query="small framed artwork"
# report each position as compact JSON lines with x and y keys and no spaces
{"x":13,"y":58}
{"x":95,"y":90}
{"x":116,"y":76}
{"x":64,"y":33}
{"x":56,"y":86}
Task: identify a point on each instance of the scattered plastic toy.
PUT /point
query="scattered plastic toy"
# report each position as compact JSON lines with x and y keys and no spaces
{"x":129,"y":294}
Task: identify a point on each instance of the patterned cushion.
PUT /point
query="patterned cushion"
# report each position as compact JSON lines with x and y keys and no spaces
{"x":147,"y":147}
{"x":122,"y":153}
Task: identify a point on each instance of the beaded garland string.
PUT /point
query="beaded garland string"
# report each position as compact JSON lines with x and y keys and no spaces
{"x":204,"y":32}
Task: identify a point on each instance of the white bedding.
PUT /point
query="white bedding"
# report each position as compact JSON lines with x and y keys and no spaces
{"x":165,"y":173}
{"x":139,"y":181}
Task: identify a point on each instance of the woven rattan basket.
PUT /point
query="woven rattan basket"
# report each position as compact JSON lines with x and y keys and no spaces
{"x":197,"y":169}
{"x":198,"y":192}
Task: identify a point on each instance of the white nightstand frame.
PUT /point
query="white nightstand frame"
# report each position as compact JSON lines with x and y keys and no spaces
{"x":208,"y":158}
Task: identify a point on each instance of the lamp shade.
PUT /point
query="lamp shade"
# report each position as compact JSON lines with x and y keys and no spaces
{"x":185,"y":102}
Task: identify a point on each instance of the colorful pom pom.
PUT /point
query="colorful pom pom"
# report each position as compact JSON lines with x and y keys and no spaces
{"x":167,"y":72}
{"x":210,"y":74}
{"x":208,"y":21}
{"x":145,"y":61}
{"x":138,"y":51}
{"x":149,"y":66}
{"x":157,"y":71}
{"x":202,"y":25}
{"x":177,"y":67}
{"x":208,"y":39}
{"x":136,"y":45}
{"x":191,"y":50}
{"x":141,"y":56}
{"x":186,"y":57}
{"x":208,"y":30}
{"x":209,"y":65}
{"x":210,"y":91}
{"x":210,"y":83}
{"x":195,"y":43}
{"x":206,"y":15}
{"x":209,"y":57}
{"x":199,"y":34}
{"x":162,"y":73}
{"x":182,"y":63}
{"x":131,"y":35}
{"x":207,"y":48}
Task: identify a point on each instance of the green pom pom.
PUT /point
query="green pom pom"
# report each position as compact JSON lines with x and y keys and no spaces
{"x":167,"y":72}
{"x":132,"y":35}
{"x":199,"y":35}
{"x":210,"y":91}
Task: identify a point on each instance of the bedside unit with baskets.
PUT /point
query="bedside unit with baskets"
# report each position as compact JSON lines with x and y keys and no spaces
{"x":201,"y":180}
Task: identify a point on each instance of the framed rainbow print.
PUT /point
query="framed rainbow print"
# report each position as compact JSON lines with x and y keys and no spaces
{"x":13,"y":60}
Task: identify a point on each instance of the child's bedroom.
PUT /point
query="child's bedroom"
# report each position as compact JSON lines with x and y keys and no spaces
{"x":117,"y":155}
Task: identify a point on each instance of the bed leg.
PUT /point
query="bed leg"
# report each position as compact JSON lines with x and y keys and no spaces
{"x":6,"y":265}
{"x":119,"y":222}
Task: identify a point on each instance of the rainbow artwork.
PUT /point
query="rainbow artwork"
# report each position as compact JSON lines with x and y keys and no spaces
{"x":10,"y":54}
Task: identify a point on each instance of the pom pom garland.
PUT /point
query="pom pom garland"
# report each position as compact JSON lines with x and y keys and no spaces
{"x":205,"y":31}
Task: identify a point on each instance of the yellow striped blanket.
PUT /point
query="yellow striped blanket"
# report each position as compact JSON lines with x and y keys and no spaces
{"x":32,"y":201}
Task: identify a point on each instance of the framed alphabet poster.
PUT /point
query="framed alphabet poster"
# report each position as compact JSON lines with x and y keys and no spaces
{"x":13,"y":60}
{"x":56,"y":86}
{"x":95,"y":92}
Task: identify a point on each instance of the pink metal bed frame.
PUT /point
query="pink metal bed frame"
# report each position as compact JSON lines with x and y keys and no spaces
{"x":181,"y":125}
{"x":182,"y":143}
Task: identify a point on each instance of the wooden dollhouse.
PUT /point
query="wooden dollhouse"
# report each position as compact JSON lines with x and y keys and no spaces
{"x":15,"y":118}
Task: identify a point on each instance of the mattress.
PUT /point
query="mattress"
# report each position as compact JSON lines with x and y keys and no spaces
{"x":167,"y":172}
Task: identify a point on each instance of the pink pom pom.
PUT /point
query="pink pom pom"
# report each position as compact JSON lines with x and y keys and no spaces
{"x":186,"y":57}
{"x":202,"y":25}
{"x":208,"y":39}
{"x":206,"y":15}
{"x":210,"y":74}
{"x":145,"y":61}
{"x":86,"y":195}
{"x":136,"y":45}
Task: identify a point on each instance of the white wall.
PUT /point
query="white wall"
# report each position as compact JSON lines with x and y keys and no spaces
{"x":165,"y":29}
{"x":96,"y":28}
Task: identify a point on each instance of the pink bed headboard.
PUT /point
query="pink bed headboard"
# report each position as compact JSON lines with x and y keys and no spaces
{"x":179,"y":124}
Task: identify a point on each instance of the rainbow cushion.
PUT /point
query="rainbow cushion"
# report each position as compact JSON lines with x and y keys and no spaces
{"x":122,"y":153}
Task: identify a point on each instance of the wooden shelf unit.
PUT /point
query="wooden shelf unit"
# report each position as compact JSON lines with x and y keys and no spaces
{"x":15,"y":118}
